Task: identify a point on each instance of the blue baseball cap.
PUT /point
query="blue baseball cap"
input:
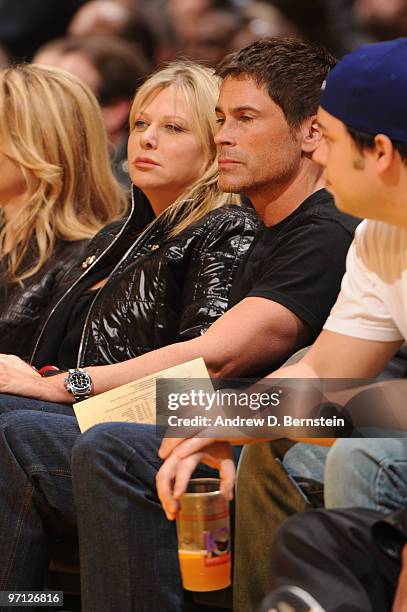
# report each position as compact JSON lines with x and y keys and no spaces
{"x":367,"y":89}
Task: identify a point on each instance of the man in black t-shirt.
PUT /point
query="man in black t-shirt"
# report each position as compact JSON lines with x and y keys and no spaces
{"x":298,"y":263}
{"x":267,"y":135}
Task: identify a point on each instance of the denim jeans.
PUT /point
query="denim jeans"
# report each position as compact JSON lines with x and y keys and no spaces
{"x":9,"y":403}
{"x":306,"y":461}
{"x":102,"y":483}
{"x":359,"y":472}
{"x":367,"y":473}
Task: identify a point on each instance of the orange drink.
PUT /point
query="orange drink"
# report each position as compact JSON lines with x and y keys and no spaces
{"x":203,"y":536}
{"x":198,"y":574}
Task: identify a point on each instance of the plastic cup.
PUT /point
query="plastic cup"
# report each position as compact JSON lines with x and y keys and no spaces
{"x":204,"y":536}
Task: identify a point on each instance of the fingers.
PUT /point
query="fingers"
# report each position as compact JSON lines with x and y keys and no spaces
{"x":172,"y":481}
{"x":184,"y":472}
{"x":167,"y":446}
{"x":164,"y":480}
{"x":12,"y":361}
{"x":173,"y":477}
{"x":227,"y":473}
{"x":182,"y":446}
{"x":192,"y":445}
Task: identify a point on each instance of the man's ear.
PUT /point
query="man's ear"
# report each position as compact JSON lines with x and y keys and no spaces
{"x":384,"y":153}
{"x":311,"y":134}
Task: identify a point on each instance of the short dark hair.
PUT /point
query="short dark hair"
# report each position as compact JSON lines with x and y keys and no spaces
{"x":120,"y":64}
{"x":292,"y":69}
{"x":363,"y":141}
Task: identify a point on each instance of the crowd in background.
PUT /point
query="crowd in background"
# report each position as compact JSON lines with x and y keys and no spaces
{"x":201,"y":29}
{"x":112,"y":45}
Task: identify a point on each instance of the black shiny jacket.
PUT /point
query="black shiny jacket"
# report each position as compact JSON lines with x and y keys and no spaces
{"x":23,"y":306}
{"x":162,"y":289}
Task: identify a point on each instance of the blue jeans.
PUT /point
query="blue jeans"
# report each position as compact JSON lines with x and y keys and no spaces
{"x":9,"y":403}
{"x":359,"y":472}
{"x":367,"y":473}
{"x":306,"y":461}
{"x":102,"y":483}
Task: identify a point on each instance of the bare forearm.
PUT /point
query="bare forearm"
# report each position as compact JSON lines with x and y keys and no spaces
{"x":108,"y":377}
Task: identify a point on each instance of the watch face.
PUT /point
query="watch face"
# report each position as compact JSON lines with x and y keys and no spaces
{"x":79,"y":382}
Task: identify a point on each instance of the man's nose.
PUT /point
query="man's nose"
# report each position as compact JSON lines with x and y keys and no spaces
{"x":224,"y":136}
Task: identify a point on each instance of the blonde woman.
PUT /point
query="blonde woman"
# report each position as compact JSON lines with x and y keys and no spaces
{"x":56,"y":191}
{"x":172,"y":280}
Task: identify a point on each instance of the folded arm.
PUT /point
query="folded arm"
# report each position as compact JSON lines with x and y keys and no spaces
{"x":252,"y":334}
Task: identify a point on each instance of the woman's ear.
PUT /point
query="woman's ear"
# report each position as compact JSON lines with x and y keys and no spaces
{"x":311,"y":134}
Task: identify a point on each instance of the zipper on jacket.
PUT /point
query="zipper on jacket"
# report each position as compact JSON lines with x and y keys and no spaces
{"x":88,"y":269}
{"x":136,"y":243}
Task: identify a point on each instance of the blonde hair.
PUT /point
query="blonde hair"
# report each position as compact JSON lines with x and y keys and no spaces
{"x":200,"y":87}
{"x":51,"y":126}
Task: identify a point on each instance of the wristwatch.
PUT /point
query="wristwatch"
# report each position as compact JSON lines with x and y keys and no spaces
{"x":79,"y":383}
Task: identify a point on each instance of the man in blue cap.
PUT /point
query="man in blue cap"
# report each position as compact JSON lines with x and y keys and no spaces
{"x":363,"y":116}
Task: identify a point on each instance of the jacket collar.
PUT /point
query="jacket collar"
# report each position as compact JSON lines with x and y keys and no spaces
{"x":141,"y":212}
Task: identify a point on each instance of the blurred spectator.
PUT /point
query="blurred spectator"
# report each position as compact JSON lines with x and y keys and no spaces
{"x":99,"y":17}
{"x":112,"y":18}
{"x":382,"y":20}
{"x":113,"y":69}
{"x":311,"y":18}
{"x":27,"y":24}
{"x":184,"y":13}
{"x":342,"y":20}
{"x":139,"y":31}
{"x":209,"y":37}
{"x":262,"y":20}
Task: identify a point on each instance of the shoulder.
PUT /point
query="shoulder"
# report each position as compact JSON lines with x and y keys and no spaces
{"x":380,"y":246}
{"x":233,"y":216}
{"x":76,"y":250}
{"x":112,"y":229}
{"x":319,"y":211}
{"x":319,"y":223}
{"x":106,"y":235}
{"x":229,"y":228}
{"x":372,"y":234}
{"x":65,"y":247}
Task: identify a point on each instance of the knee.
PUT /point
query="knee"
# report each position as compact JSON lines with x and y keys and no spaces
{"x":90,"y":448}
{"x":347,"y":455}
{"x":29,"y":437}
{"x":10,"y":432}
{"x":20,"y":428}
{"x":105,"y":446}
{"x":367,"y":473}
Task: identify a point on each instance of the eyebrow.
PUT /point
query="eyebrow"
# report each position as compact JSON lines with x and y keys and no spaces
{"x":166,"y":117}
{"x":239,"y":109}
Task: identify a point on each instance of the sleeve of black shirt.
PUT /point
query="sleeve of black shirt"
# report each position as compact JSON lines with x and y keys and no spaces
{"x":305,"y":270}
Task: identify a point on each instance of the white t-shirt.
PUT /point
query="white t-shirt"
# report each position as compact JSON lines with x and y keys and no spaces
{"x":372,"y":303}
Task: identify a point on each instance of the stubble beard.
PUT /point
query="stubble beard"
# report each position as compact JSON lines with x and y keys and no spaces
{"x":231,"y":184}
